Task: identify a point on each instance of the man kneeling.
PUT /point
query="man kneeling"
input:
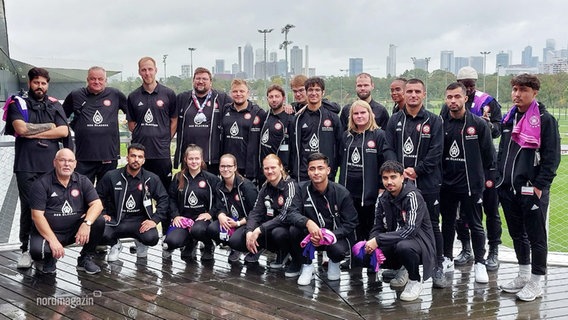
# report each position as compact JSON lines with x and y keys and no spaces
{"x":65,"y":210}
{"x":403,"y":230}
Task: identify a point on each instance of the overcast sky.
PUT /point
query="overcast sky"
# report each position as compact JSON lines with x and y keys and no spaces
{"x":115,"y":34}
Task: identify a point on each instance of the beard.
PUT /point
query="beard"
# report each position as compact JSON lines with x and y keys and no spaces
{"x":363,"y":95}
{"x":37,"y":94}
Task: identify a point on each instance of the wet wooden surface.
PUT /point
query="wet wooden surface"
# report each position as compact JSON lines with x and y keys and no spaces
{"x":155,"y":288}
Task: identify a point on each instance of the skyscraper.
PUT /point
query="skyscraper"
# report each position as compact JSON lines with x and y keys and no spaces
{"x":391,"y":61}
{"x":476,"y":63}
{"x":296,"y":60}
{"x":447,"y":61}
{"x":248,"y":63}
{"x":219,"y":66}
{"x":355,"y":66}
{"x":502,"y":59}
{"x":460,"y":62}
{"x":549,"y":51}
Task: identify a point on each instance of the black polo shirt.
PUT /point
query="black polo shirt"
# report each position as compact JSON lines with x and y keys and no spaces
{"x":63,"y":206}
{"x":95,"y":123}
{"x":152,"y":113}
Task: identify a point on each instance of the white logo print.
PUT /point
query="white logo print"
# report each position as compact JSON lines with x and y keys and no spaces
{"x":408,"y":146}
{"x":140,"y":103}
{"x":314,"y":142}
{"x":234,"y":212}
{"x":454,"y":150}
{"x":234,"y":129}
{"x":192,"y":199}
{"x":149,"y":117}
{"x":264,"y":138}
{"x":97,"y":117}
{"x":66,"y":209}
{"x":130,"y":203}
{"x":355,"y":156}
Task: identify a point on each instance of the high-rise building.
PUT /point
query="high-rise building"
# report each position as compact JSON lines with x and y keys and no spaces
{"x":240,"y":63}
{"x":219,"y":66}
{"x":248,"y":63}
{"x":235,"y":68}
{"x":502,"y":59}
{"x":296,"y":61}
{"x":391,"y":61}
{"x":526,"y":56}
{"x":447,"y":60}
{"x":460,"y":62}
{"x":185,"y":71}
{"x":549,"y":51}
{"x":355,"y":66}
{"x":421,"y":63}
{"x":259,"y":55}
{"x":273,"y":56}
{"x":476,"y":63}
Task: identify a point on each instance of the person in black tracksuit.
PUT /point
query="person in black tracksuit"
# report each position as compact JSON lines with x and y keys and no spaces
{"x":199,"y":119}
{"x":322,"y":204}
{"x":266,"y":226}
{"x":235,"y":199}
{"x":524,"y":188}
{"x":468,"y":154}
{"x":361,"y":157}
{"x":485,"y":106}
{"x":127,"y":195}
{"x":415,"y":138}
{"x":364,"y":86}
{"x":192,"y":195}
{"x":316,"y":129}
{"x":276,"y":130}
{"x":241,"y":122}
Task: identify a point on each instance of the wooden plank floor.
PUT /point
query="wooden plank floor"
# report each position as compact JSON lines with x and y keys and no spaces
{"x":156,"y":288}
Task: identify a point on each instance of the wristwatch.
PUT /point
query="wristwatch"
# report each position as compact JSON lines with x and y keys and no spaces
{"x":88,"y":222}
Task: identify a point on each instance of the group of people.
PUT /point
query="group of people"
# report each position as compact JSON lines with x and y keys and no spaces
{"x":258,"y":180}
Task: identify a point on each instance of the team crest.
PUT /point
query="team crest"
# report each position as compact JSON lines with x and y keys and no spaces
{"x":534,"y":121}
{"x":489,"y":184}
{"x":247,"y":116}
{"x":160,"y":103}
{"x":216,"y":105}
{"x":74,"y":193}
{"x":418,"y":127}
{"x":256,"y":120}
{"x":470,"y":131}
{"x":327,"y":123}
{"x":277,"y":126}
{"x":106,"y":103}
{"x":426,"y":129}
{"x":237,"y":198}
{"x":139,"y":187}
{"x":202,"y":184}
{"x":280,"y":200}
{"x":371,"y":144}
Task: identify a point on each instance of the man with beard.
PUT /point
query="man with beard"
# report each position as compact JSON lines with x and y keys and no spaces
{"x":364,"y":86}
{"x":240,"y":129}
{"x":274,"y":135}
{"x":199,"y":118}
{"x":65,"y":210}
{"x":468,"y":154}
{"x":38,"y":122}
{"x":127,"y":195}
{"x":95,"y":123}
{"x":397,"y":94}
{"x":152,"y":119}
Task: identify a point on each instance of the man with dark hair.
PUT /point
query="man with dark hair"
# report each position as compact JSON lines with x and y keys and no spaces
{"x":397,"y":94}
{"x":415,"y":138}
{"x":152,"y":119}
{"x":403,"y":230}
{"x":199,"y":118}
{"x":127,"y":195}
{"x":468,"y":154}
{"x":65,"y":210}
{"x":38,"y":122}
{"x":529,"y":155}
{"x":276,"y":130}
{"x":316,"y":129}
{"x":323,"y":209}
{"x":299,"y":90}
{"x":364,"y":87}
{"x":485,"y":106}
{"x":95,"y":123}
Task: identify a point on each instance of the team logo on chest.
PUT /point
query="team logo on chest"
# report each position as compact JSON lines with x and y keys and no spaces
{"x":280,"y":200}
{"x":130,"y":203}
{"x":256,"y":120}
{"x":247,"y":116}
{"x":66,"y":209}
{"x":327,"y":123}
{"x":371,"y":144}
{"x":454,"y":150}
{"x":107,"y":103}
{"x":277,"y":126}
{"x":237,"y":198}
{"x":314,"y":142}
{"x":149,"y":117}
{"x":408,"y":146}
{"x":234,"y":131}
{"x":355,"y":156}
{"x":192,"y":199}
{"x":202,"y":184}
{"x":534,"y":121}
{"x":97,"y":117}
{"x":75,"y":193}
{"x":160,"y":103}
{"x":426,"y":129}
{"x":265,"y":136}
{"x":470,"y":131}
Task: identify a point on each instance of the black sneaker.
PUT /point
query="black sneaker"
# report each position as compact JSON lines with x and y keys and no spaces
{"x":280,"y":261}
{"x":253,"y":257}
{"x":235,"y":256}
{"x":86,"y":263}
{"x":48,"y":265}
{"x":439,"y":279}
{"x":189,"y":252}
{"x":207,"y":253}
{"x":293,"y":269}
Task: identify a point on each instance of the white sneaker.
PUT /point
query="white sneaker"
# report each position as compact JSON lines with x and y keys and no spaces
{"x":515,"y":285}
{"x":530,"y":291}
{"x":411,"y":291}
{"x":25,"y":261}
{"x":114,"y":252}
{"x":306,"y":275}
{"x":141,"y":249}
{"x":481,"y":275}
{"x":333,"y":271}
{"x":448,"y":265}
{"x":400,"y":279}
{"x":165,"y":252}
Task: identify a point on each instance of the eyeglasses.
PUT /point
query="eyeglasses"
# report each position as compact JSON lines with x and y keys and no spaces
{"x":226,"y":166}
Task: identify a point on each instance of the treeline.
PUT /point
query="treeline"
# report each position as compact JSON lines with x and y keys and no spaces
{"x":553,"y":93}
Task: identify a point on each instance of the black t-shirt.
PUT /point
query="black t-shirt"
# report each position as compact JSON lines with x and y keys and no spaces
{"x":274,"y":135}
{"x":354,"y":156}
{"x":95,"y":123}
{"x":197,"y":196}
{"x":198,"y":127}
{"x":63,"y":206}
{"x":454,"y":170}
{"x":152,"y":113}
{"x":134,"y":196}
{"x":236,"y":128}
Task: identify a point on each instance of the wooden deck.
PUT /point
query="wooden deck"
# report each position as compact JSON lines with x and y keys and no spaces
{"x":153,"y":288}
